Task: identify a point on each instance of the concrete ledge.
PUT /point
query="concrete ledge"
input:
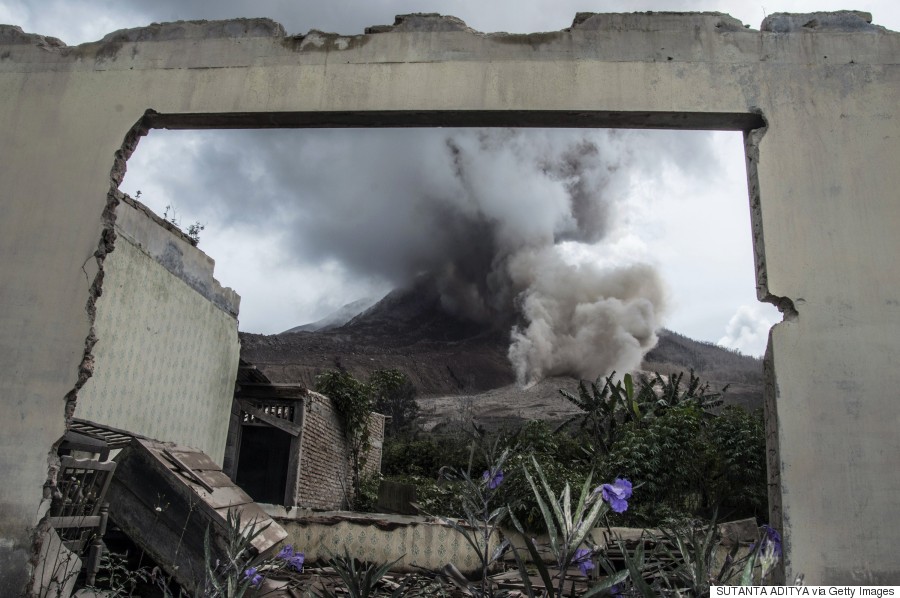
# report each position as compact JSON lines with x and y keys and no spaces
{"x":175,"y":252}
{"x":377,"y":538}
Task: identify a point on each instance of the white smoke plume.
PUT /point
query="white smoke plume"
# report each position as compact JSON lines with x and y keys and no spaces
{"x":747,"y":330}
{"x":582,"y":320}
{"x":575,"y":319}
{"x":492,"y":215}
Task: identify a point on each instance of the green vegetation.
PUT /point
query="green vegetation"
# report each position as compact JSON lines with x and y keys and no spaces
{"x":192,"y":231}
{"x":670,"y":434}
{"x":395,"y":397}
{"x":389,"y":392}
{"x":689,"y":461}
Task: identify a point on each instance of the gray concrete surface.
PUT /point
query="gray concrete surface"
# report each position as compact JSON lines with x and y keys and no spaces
{"x":822,"y":175}
{"x":167,"y":347}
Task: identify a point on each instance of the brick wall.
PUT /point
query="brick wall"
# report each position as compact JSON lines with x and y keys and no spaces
{"x":376,"y":439}
{"x":325,"y":472}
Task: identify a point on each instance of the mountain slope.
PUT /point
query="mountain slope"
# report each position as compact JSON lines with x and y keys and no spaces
{"x":461,"y":367}
{"x":337,"y":318}
{"x":407,"y":330}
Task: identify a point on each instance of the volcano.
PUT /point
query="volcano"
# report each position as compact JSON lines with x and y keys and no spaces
{"x":460,"y":368}
{"x":409,"y":330}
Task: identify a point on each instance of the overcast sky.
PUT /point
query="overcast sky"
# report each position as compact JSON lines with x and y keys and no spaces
{"x":676,"y":200}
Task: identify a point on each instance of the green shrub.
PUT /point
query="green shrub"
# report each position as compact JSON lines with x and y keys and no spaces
{"x":666,"y":437}
{"x":389,"y":391}
{"x":425,"y":454}
{"x":738,"y":480}
{"x":559,"y":455}
{"x":353,"y":401}
{"x":691,"y":463}
{"x":669,"y":456}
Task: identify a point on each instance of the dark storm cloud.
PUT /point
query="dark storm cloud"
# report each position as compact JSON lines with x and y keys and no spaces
{"x":484,"y":212}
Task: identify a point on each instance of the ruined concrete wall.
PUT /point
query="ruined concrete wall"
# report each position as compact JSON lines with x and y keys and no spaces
{"x":167,"y":350}
{"x":376,"y":438}
{"x":823,"y":180}
{"x":413,"y":542}
{"x":325,"y":473}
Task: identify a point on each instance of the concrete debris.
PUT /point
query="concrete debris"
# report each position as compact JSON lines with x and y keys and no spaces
{"x":843,"y":20}
{"x":13,"y":34}
{"x":422,"y":22}
{"x":232,"y":28}
{"x":655,"y":21}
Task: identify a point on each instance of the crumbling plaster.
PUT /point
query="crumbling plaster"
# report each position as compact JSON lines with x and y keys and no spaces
{"x":823,"y":191}
{"x":167,"y":344}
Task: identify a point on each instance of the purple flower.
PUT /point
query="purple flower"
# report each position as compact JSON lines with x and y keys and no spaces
{"x":286,"y":552}
{"x":774,"y":538}
{"x":492,"y":480}
{"x":615,"y":591}
{"x":769,"y":550}
{"x":293,"y":559}
{"x":616,"y":494}
{"x":254,"y":577}
{"x":296,"y":561}
{"x":582,"y":558}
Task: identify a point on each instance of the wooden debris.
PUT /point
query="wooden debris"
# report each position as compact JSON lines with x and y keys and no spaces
{"x":166,"y":497}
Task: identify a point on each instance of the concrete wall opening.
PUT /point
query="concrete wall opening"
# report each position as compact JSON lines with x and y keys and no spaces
{"x":311,"y":220}
{"x":669,"y":197}
{"x":826,"y":84}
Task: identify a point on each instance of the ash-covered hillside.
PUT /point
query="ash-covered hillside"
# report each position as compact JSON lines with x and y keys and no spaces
{"x":409,"y":330}
{"x":461,"y":368}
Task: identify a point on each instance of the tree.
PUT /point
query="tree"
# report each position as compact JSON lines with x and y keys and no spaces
{"x":389,"y":392}
{"x":395,"y":397}
{"x":353,"y":401}
{"x":609,"y":406}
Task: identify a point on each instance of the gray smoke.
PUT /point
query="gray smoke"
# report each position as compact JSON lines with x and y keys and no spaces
{"x":582,"y":320}
{"x":578,"y":319}
{"x":497,"y":217}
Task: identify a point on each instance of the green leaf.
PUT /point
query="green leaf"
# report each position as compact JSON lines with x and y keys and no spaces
{"x":606,"y":584}
{"x":545,"y":513}
{"x":566,"y":500}
{"x":747,"y":575}
{"x":523,"y":573}
{"x":535,"y":558}
{"x":551,"y":497}
{"x":635,"y":565}
{"x":583,"y":498}
{"x":629,"y":386}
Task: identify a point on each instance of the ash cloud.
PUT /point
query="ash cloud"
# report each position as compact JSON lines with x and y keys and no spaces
{"x":583,"y":319}
{"x":747,"y":331}
{"x":492,"y":215}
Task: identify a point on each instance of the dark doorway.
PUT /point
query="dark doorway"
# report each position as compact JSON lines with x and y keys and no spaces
{"x":263,"y":463}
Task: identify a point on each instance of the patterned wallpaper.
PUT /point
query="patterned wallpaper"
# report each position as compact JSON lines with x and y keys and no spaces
{"x":165,"y":359}
{"x":413,"y":540}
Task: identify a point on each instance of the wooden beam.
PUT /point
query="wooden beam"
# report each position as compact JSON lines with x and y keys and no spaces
{"x":282,"y":424}
{"x":185,"y":469}
{"x":74,"y":521}
{"x":87,"y":464}
{"x":270,"y":391}
{"x":292,"y":481}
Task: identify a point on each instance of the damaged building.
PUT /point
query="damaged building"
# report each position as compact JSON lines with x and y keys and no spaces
{"x":297,"y":434}
{"x":106,"y":320}
{"x":194,"y":435}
